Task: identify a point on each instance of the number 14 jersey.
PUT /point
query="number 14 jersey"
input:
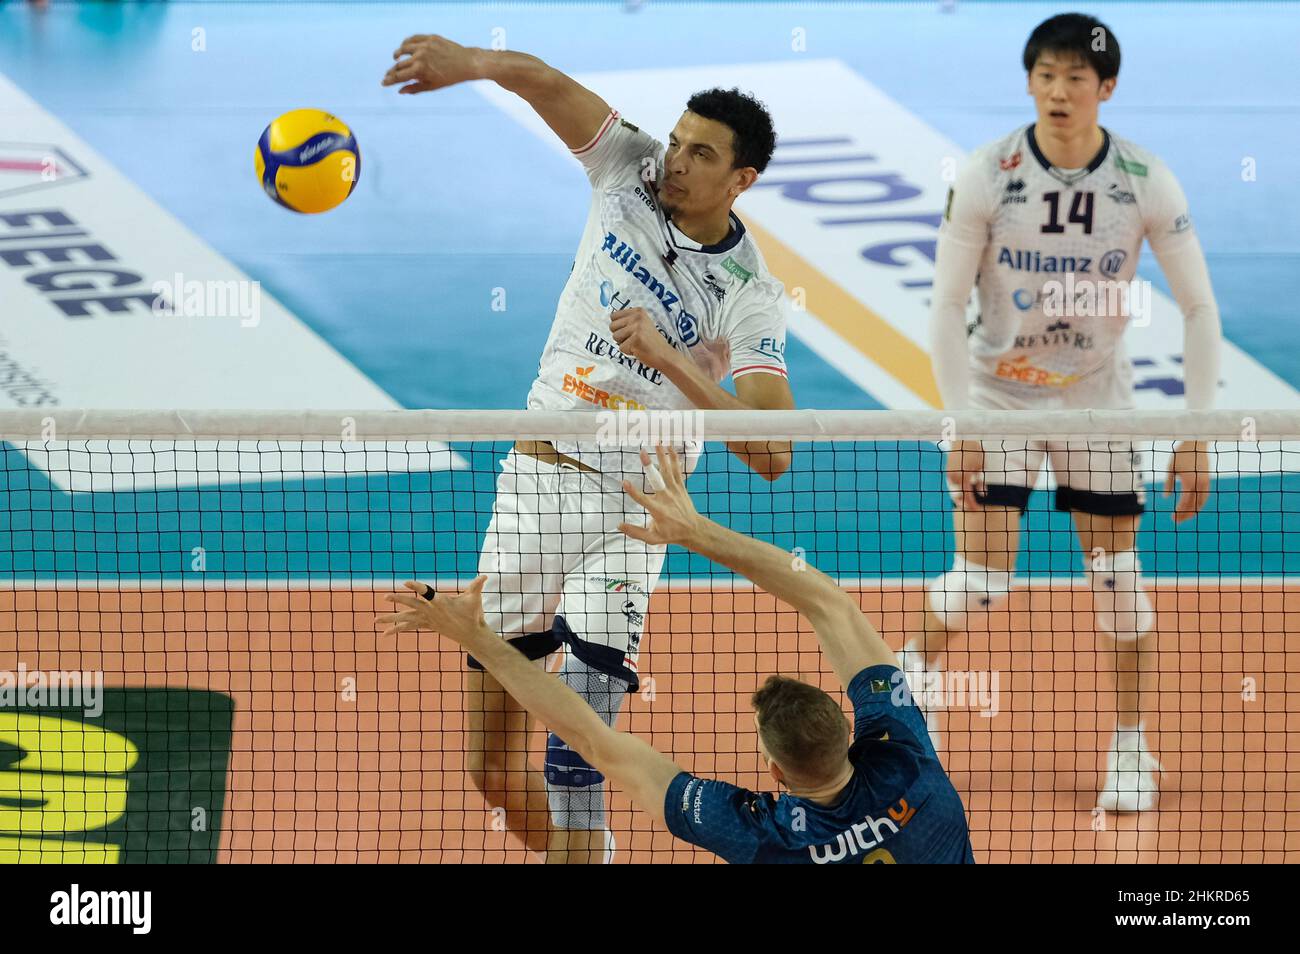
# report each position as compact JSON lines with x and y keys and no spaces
{"x":1059,"y":253}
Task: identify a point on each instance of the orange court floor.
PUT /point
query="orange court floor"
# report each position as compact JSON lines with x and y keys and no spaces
{"x":347,"y":747}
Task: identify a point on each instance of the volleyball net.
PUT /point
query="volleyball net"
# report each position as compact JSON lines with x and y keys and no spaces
{"x":190,"y":667}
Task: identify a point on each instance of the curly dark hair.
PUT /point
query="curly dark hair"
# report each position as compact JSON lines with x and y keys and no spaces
{"x":1077,"y":34}
{"x":753,"y":137}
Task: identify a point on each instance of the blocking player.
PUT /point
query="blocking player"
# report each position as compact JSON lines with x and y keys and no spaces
{"x":668,"y":295}
{"x":1046,"y":224}
{"x":882,"y":799}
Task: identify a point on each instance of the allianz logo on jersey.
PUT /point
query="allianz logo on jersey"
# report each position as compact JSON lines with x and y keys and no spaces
{"x":624,"y":254}
{"x":1025,"y":300}
{"x":1032,"y":260}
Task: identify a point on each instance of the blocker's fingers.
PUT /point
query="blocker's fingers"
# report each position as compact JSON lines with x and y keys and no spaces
{"x":423,"y":590}
{"x":636,"y":495}
{"x":661,"y":457}
{"x":675,"y":466}
{"x":654,"y":479}
{"x":636,"y":532}
{"x":1169,"y":481}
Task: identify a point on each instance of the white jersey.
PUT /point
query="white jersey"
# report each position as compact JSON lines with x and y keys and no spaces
{"x":1060,"y":251}
{"x":717,"y":304}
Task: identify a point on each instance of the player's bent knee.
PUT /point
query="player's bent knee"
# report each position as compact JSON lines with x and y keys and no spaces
{"x":1120,"y":604}
{"x":575,"y":789}
{"x":966,"y":588}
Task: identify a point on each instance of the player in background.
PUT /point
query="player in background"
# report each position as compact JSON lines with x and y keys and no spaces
{"x":668,"y":295}
{"x":883,"y":799}
{"x":1046,"y":224}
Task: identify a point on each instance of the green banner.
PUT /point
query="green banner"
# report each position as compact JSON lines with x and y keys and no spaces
{"x":143,"y":779}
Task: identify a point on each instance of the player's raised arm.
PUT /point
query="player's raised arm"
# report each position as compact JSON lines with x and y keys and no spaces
{"x":426,"y":63}
{"x":848,"y":639}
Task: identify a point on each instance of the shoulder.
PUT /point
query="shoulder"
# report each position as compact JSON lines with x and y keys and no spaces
{"x":1142,"y":167}
{"x":743,"y":272}
{"x":973,"y":196}
{"x":620,"y":152}
{"x":1003,"y":155}
{"x":1153,"y":185}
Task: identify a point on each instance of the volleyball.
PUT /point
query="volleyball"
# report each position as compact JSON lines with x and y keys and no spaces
{"x":307,"y":160}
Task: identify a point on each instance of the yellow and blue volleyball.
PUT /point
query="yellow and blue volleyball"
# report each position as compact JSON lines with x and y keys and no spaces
{"x":308,"y":160}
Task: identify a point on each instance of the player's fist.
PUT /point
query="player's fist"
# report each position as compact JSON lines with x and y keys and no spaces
{"x":637,"y":335}
{"x":426,"y":63}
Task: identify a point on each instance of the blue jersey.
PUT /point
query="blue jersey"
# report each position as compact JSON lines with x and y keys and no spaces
{"x":898,"y":808}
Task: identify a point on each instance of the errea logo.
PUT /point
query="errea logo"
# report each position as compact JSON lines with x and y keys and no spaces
{"x":76,"y":907}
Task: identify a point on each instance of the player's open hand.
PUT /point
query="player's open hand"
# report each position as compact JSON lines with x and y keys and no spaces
{"x":966,"y":473}
{"x":637,"y":335}
{"x":1190,"y":467}
{"x":431,"y":62}
{"x":458,"y":617}
{"x":673,"y":517}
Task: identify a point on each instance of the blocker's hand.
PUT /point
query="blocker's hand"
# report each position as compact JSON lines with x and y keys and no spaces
{"x":432,"y":62}
{"x":1190,"y":467}
{"x":673,"y":517}
{"x":456,"y":617}
{"x":636,"y":334}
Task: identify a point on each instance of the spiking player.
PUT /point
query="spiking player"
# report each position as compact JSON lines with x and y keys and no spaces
{"x":668,"y":295}
{"x":884,"y":799}
{"x":1047,"y":224}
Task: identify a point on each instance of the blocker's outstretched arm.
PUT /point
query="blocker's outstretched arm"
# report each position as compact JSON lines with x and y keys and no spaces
{"x":847,"y":637}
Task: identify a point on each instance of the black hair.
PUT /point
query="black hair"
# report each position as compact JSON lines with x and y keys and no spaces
{"x":1077,"y":34}
{"x":753,"y":137}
